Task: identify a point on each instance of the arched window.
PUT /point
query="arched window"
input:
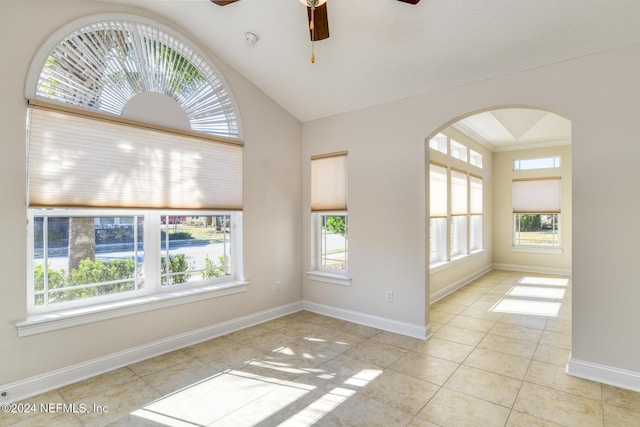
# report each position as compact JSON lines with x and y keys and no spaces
{"x":104,"y":66}
{"x":135,"y":171}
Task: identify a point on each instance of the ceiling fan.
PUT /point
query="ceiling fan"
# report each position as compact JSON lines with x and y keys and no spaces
{"x":317,"y":14}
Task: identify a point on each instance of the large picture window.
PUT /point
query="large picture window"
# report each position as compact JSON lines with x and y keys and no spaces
{"x":124,"y":205}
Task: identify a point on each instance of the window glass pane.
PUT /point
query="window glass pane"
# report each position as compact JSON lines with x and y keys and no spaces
{"x":438,"y":240}
{"x":475,"y":158}
{"x":333,"y":242}
{"x":536,"y":230}
{"x":538,"y":163}
{"x":83,"y":257}
{"x":195,"y":248}
{"x":439,"y":143}
{"x":458,"y":151}
{"x":475,"y":233}
{"x":458,"y":235}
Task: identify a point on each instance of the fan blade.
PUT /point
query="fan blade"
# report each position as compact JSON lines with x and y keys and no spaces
{"x":321,"y":23}
{"x":223,"y":2}
{"x":410,"y":1}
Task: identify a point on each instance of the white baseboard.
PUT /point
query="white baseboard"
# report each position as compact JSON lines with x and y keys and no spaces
{"x":533,"y":269}
{"x":438,"y":295}
{"x":604,"y":374}
{"x":38,"y":384}
{"x":404,"y":328}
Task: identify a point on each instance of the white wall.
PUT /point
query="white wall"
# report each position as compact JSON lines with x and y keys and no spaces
{"x":599,"y":94}
{"x":272,"y":221}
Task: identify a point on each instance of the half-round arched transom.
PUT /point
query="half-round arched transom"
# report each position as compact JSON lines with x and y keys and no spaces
{"x":104,"y":65}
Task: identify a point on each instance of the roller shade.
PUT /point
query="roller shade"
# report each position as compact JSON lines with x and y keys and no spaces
{"x":79,"y":160}
{"x":475,"y":196}
{"x":537,"y":195}
{"x":329,"y":182}
{"x":437,"y":191}
{"x":458,"y":192}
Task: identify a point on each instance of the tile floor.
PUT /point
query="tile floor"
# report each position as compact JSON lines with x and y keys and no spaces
{"x":496,"y":358}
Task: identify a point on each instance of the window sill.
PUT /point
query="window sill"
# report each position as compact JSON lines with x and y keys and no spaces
{"x":335,"y":278}
{"x":51,"y":321}
{"x":443,"y":265}
{"x":537,"y":250}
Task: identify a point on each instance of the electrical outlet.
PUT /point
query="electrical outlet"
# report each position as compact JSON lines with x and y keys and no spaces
{"x":277,"y":288}
{"x":389,"y":296}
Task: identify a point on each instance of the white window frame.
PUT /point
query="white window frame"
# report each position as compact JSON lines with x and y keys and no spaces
{"x":459,"y":151}
{"x":537,"y":163}
{"x":554,"y":248}
{"x":151,"y":297}
{"x":318,"y":272}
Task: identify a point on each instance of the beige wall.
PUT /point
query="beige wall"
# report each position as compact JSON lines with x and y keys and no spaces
{"x":503,"y":172}
{"x":272,"y":222}
{"x":599,"y":94}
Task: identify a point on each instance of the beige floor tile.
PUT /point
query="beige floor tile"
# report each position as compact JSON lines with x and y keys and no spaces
{"x":97,"y":384}
{"x":451,"y":408}
{"x":460,"y":335}
{"x":397,"y":340}
{"x":438,"y":316}
{"x":120,"y":400}
{"x":615,"y":416}
{"x":485,"y":385}
{"x":159,"y":363}
{"x":482,"y":314}
{"x":247,"y":335}
{"x":179,"y":376}
{"x":445,"y":349}
{"x":518,"y":419}
{"x":512,"y":346}
{"x":343,"y":367}
{"x":621,"y":397}
{"x":448,"y":307}
{"x":498,"y":363}
{"x":362,"y":331}
{"x":554,"y":376}
{"x":554,"y":355}
{"x":517,"y":332}
{"x":425,"y":367}
{"x":556,"y":339}
{"x":472,"y":323}
{"x":557,"y":406}
{"x":377,"y":353}
{"x":409,"y":394}
{"x":359,"y":410}
{"x":533,"y":322}
{"x":34,"y":414}
{"x":421,"y":422}
{"x":559,"y":325}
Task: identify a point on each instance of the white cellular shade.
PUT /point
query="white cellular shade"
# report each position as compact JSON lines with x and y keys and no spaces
{"x":329,"y":182}
{"x":458,"y":192}
{"x":537,"y":195}
{"x":437,"y":191}
{"x":80,"y":161}
{"x":475,"y":196}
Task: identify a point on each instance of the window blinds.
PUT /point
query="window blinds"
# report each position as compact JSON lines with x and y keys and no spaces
{"x":437,"y":191}
{"x":541,"y":195}
{"x":329,"y":182}
{"x":79,"y":160}
{"x":458,"y":192}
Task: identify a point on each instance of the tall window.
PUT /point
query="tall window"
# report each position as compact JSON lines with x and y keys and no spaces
{"x":456,"y":201}
{"x":329,"y":213}
{"x":536,"y":212}
{"x":438,"y":212}
{"x":119,"y":208}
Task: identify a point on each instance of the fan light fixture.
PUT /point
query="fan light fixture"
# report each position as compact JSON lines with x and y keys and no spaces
{"x":312,"y":4}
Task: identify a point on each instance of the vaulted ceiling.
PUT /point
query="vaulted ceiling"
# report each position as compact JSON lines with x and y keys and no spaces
{"x":385,"y":50}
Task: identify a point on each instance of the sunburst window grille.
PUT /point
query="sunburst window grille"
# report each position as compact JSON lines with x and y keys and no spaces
{"x":102,"y":66}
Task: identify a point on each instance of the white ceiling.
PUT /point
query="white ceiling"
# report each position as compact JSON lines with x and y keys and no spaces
{"x":516,"y":128}
{"x":384,"y":50}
